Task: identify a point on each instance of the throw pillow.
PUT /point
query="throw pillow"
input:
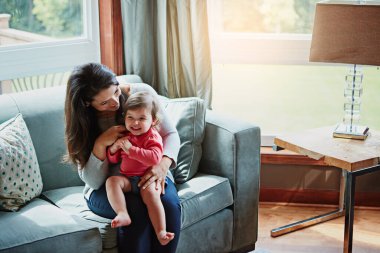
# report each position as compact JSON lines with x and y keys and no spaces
{"x":20,"y":178}
{"x":188,"y":115}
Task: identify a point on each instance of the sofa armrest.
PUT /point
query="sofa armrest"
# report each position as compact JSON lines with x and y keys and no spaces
{"x":231,"y":149}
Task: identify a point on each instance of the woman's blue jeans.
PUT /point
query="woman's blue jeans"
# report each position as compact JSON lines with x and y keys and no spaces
{"x":139,"y":236}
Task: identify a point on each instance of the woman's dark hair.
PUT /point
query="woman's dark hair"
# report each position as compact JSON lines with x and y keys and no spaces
{"x":85,"y":82}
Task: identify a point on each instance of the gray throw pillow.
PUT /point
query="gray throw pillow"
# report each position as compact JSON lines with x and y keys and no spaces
{"x":20,"y":178}
{"x":188,"y":115}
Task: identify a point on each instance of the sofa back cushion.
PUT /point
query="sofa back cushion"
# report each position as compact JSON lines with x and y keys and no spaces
{"x":20,"y":178}
{"x":43,"y":113}
{"x":188,"y":115}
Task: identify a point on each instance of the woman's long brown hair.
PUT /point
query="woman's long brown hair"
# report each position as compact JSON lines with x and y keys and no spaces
{"x":82,"y":129}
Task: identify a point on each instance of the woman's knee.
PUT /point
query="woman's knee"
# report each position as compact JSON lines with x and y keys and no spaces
{"x":172,"y":207}
{"x":170,"y":199}
{"x":99,"y":204}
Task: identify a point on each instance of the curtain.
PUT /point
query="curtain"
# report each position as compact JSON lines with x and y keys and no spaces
{"x":166,"y":42}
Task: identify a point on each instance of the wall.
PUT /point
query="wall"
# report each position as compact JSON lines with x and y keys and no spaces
{"x":312,"y":184}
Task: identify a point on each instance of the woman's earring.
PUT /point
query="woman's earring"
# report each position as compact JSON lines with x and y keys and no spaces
{"x":87,"y":104}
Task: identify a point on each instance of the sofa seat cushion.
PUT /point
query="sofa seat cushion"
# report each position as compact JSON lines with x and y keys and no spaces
{"x":202,"y":196}
{"x":43,"y":227}
{"x":195,"y":196}
{"x":71,"y":199}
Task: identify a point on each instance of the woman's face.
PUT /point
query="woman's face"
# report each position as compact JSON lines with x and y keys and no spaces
{"x":107,"y":99}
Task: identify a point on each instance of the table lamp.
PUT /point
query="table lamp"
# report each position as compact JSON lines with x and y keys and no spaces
{"x":348,"y":32}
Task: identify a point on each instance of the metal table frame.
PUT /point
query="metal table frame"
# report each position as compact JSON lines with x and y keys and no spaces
{"x":346,"y":207}
{"x":350,"y":204}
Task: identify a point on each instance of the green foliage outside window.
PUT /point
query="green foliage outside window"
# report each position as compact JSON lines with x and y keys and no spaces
{"x":268,"y":16}
{"x":54,"y":18}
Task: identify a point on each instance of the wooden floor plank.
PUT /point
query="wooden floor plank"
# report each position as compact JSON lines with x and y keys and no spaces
{"x":322,"y":238}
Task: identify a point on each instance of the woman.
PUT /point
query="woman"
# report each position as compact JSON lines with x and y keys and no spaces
{"x":94,"y":121}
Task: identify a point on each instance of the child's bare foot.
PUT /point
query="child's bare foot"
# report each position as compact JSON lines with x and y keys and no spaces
{"x":122,"y":219}
{"x":165,"y":237}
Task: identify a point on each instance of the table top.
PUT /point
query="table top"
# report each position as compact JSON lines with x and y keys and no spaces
{"x":347,"y":154}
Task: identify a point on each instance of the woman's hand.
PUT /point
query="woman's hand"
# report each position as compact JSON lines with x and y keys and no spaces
{"x":107,"y":138}
{"x":156,"y":174}
{"x":125,"y":87}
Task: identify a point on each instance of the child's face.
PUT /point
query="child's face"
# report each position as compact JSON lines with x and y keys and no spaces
{"x":138,"y":121}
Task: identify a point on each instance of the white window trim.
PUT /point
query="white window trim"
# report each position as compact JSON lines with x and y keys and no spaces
{"x":48,"y":57}
{"x":250,"y":48}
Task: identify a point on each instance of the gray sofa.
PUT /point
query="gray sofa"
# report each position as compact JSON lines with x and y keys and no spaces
{"x":219,"y":203}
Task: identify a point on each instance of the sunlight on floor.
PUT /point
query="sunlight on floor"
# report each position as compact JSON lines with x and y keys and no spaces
{"x":325,"y":237}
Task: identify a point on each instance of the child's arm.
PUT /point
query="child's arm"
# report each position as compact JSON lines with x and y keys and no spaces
{"x":150,"y":155}
{"x":114,"y":152}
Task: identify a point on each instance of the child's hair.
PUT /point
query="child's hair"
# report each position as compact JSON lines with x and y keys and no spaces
{"x":144,"y":99}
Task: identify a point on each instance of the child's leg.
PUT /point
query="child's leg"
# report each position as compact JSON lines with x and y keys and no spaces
{"x":152,"y":200}
{"x":116,"y":186}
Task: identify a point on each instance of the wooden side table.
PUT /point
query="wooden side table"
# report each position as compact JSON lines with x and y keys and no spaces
{"x":354,"y":157}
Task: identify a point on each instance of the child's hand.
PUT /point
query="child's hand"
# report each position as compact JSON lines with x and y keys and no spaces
{"x":114,"y":148}
{"x":122,"y":143}
{"x":125,"y":145}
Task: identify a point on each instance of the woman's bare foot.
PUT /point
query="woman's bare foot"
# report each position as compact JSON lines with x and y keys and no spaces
{"x":122,"y":219}
{"x":165,"y":237}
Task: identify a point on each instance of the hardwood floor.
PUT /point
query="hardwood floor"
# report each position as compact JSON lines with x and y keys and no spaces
{"x":322,"y":238}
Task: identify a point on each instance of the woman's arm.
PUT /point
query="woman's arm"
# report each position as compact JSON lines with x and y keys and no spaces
{"x":95,"y":172}
{"x":106,"y":139}
{"x":170,"y":139}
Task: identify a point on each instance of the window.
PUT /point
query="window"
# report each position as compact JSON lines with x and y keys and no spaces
{"x":41,"y":37}
{"x":261,"y":69}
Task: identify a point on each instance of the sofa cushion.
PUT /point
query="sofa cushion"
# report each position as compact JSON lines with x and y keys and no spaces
{"x":43,"y":227}
{"x":188,"y":115}
{"x":71,"y":199}
{"x":20,"y":178}
{"x":195,"y":196}
{"x":43,"y":113}
{"x":198,"y":193}
{"x":129,"y":79}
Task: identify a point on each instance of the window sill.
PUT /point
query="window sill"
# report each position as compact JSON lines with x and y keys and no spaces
{"x":286,"y":157}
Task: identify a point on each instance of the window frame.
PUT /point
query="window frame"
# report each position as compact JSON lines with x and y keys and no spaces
{"x":55,"y":56}
{"x":255,"y":48}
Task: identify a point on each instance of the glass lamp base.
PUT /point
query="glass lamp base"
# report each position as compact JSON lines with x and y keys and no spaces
{"x":351,"y":132}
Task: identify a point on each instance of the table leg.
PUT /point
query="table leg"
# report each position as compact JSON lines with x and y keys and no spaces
{"x":316,"y":219}
{"x":349,"y":216}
